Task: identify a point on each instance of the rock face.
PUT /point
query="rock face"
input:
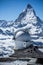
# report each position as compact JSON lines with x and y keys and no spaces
{"x":28,"y":26}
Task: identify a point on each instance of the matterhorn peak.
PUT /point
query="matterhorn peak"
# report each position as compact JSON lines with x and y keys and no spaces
{"x":28,"y":15}
{"x":29,"y":6}
{"x":30,"y":9}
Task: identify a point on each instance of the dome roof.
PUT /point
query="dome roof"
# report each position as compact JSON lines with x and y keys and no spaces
{"x":22,"y":36}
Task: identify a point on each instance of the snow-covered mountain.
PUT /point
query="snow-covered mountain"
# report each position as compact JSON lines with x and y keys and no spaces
{"x":4,"y":23}
{"x":29,"y":22}
{"x":6,"y":27}
{"x":26,"y":21}
{"x":27,"y":27}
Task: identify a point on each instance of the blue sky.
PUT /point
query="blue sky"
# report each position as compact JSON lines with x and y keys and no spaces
{"x":10,"y":9}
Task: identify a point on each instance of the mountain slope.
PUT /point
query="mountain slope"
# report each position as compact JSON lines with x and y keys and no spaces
{"x":27,"y":21}
{"x":30,"y":22}
{"x":28,"y":27}
{"x":6,"y":27}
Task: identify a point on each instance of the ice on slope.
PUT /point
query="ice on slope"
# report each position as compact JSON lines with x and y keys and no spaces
{"x":6,"y":46}
{"x":7,"y":31}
